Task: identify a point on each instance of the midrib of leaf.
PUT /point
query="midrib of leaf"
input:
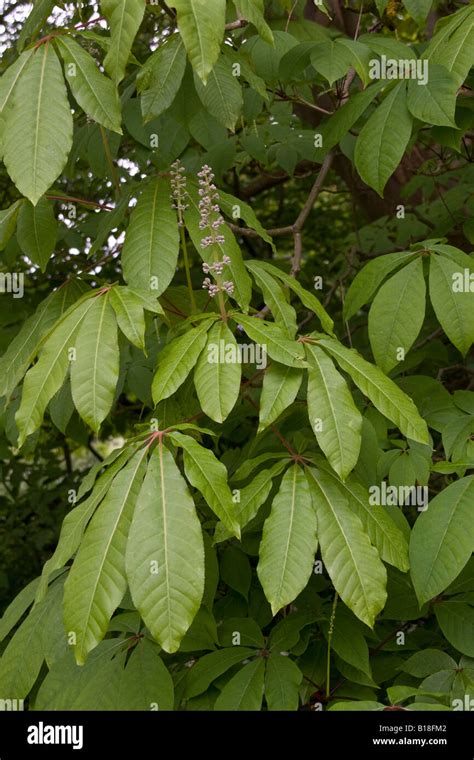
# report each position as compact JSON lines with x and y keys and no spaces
{"x":165,"y":534}
{"x":38,"y":113}
{"x":152,"y":227}
{"x":448,"y":525}
{"x":292,"y":516}
{"x":112,"y":535}
{"x":96,"y":355}
{"x":347,"y":543}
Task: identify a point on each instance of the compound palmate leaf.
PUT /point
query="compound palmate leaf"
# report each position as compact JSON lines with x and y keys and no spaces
{"x":97,"y":582}
{"x":165,"y":552}
{"x":38,"y":125}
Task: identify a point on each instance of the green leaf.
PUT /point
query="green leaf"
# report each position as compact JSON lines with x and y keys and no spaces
{"x":37,"y":231}
{"x":8,"y":83}
{"x":177,"y":359}
{"x":423,"y":664}
{"x":273,"y":340}
{"x":384,"y":394}
{"x":359,"y":55}
{"x":384,"y":534}
{"x":282,"y":682}
{"x":146,"y":683}
{"x":213,"y":665}
{"x":128,"y":307}
{"x":222,"y":94}
{"x":348,"y":640}
{"x":165,"y":552}
{"x":22,"y":659}
{"x":93,"y":686}
{"x":379,"y":148}
{"x":201,"y":26}
{"x":331,"y":59}
{"x":96,"y":582}
{"x":22,"y":349}
{"x":39,"y":119}
{"x":453,"y":305}
{"x":95,"y":93}
{"x":252,"y":496}
{"x":418,"y":9}
{"x":456,"y":620}
{"x":339,"y":124}
{"x":36,"y":19}
{"x":279,"y":389}
{"x":274,"y":297}
{"x":253,"y":11}
{"x":397,"y":315}
{"x":289,"y":541}
{"x":442,"y":539}
{"x":209,"y":476}
{"x":236,"y":208}
{"x":218,"y":372}
{"x":45,"y":378}
{"x":161,"y":77}
{"x":150,"y":252}
{"x":124,"y":18}
{"x":335,"y":419}
{"x":244,"y":691}
{"x":453,"y":44}
{"x":368,"y":280}
{"x":307,"y":299}
{"x":353,"y":564}
{"x":435,"y":101}
{"x":8,"y":220}
{"x":75,"y":522}
{"x":95,"y":370}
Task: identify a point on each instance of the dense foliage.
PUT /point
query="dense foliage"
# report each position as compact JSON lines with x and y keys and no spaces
{"x":237,"y":398}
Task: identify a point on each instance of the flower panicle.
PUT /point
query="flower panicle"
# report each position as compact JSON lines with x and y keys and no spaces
{"x":178,"y":189}
{"x":210,"y":221}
